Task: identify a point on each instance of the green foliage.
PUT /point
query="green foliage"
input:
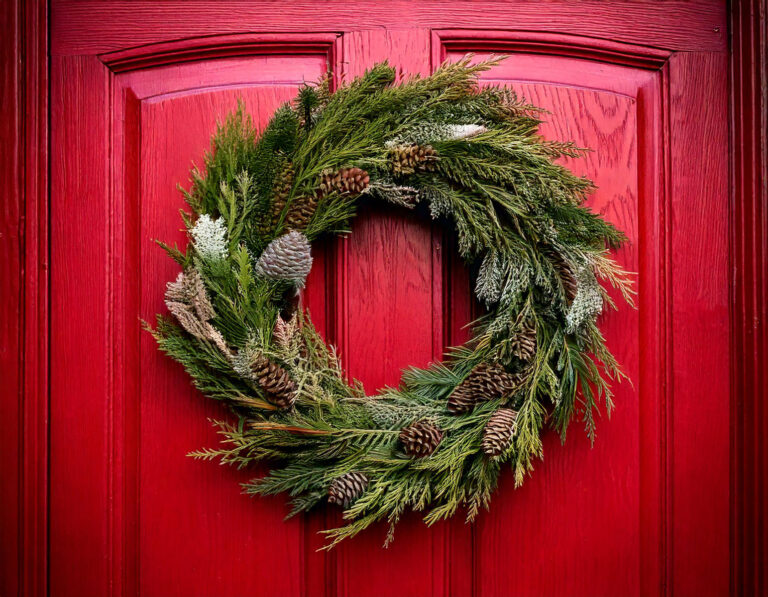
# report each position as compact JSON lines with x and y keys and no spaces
{"x":513,"y":208}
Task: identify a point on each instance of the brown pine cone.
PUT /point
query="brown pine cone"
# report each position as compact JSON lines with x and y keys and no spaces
{"x":421,"y":438}
{"x":407,"y":159}
{"x":499,"y":431}
{"x":275,"y":381}
{"x":300,"y":212}
{"x":345,"y":181}
{"x":485,"y":382}
{"x":565,"y":273}
{"x":463,"y":399}
{"x":524,"y":343}
{"x":346,"y":489}
{"x":281,"y":187}
{"x":281,"y":190}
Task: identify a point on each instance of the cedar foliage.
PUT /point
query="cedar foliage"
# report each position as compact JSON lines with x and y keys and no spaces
{"x":513,"y":208}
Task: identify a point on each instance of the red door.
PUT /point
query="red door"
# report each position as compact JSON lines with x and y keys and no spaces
{"x":136,"y":90}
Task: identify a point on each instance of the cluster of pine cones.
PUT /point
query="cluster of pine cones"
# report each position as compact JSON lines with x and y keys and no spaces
{"x":487,"y":381}
{"x":484,"y":382}
{"x":344,"y":181}
{"x":404,"y":159}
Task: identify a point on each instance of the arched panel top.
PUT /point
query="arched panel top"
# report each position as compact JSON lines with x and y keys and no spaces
{"x":222,"y":46}
{"x":446,"y":41}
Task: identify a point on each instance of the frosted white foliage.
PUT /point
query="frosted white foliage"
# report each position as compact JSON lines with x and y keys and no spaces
{"x":404,"y":196}
{"x":464,"y":131}
{"x":430,"y":132}
{"x":389,"y":416}
{"x":241,"y":363}
{"x":439,"y":204}
{"x":518,"y":279}
{"x":490,"y":279}
{"x":588,"y":302}
{"x":210,"y":238}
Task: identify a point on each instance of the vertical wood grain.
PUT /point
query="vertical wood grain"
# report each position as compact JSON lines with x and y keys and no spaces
{"x":700,"y":362}
{"x":188,"y":544}
{"x":80,"y":349}
{"x":577,"y":487}
{"x":23,"y":279}
{"x":395,"y":273}
{"x":11,"y":284}
{"x":749,"y":243}
{"x":392,"y":295}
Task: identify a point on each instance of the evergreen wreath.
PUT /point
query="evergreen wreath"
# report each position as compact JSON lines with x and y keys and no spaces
{"x":437,"y":442}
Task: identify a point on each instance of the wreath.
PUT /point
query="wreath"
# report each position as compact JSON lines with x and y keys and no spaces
{"x":472,"y":157}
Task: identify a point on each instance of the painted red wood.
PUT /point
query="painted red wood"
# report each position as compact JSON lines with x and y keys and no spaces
{"x":11,"y":243}
{"x":635,"y":515}
{"x":749,"y":253}
{"x":23,"y":287}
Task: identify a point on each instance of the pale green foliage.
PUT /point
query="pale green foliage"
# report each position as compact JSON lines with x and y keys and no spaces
{"x":515,"y":211}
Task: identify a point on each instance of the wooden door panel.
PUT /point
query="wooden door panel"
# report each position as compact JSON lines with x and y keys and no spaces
{"x":593,"y":558}
{"x":192,"y":525}
{"x":175,"y":525}
{"x":210,"y":555}
{"x":623,"y":517}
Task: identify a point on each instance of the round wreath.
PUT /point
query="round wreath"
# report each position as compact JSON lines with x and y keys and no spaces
{"x":474,"y":158}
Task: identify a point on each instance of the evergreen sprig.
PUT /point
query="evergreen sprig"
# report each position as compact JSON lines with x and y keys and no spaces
{"x":479,"y":163}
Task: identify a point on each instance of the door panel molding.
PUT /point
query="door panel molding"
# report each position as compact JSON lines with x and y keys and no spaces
{"x":556,"y":44}
{"x":669,"y":257}
{"x":222,"y":46}
{"x":107,"y":29}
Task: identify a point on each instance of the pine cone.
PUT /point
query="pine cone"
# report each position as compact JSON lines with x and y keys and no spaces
{"x":285,"y":330}
{"x":407,"y":159}
{"x":484,"y":382}
{"x":421,"y":438}
{"x":568,"y":279}
{"x":286,"y":258}
{"x":300,"y":212}
{"x":275,"y":381}
{"x":346,"y":489}
{"x":345,"y":181}
{"x":499,"y":431}
{"x":524,"y":343}
{"x":281,"y":190}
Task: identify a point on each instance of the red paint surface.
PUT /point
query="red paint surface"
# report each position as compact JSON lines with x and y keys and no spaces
{"x":643,"y":512}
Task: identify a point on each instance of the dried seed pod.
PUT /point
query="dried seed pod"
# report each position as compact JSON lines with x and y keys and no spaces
{"x":281,"y":190}
{"x":275,"y":381}
{"x":566,"y":275}
{"x":407,"y":159}
{"x":487,"y":381}
{"x":421,"y":438}
{"x":300,"y":212}
{"x":499,"y":431}
{"x":288,"y":257}
{"x":524,"y":343}
{"x":345,"y":181}
{"x":347,"y":488}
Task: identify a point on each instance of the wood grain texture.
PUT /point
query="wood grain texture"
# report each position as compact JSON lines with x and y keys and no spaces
{"x":79,"y":318}
{"x":11,"y":283}
{"x":95,"y":27}
{"x":394,"y":276}
{"x":245,"y":561}
{"x":749,"y":243}
{"x":23,"y":280}
{"x":699,"y":496}
{"x":626,"y":517}
{"x":576,"y":487}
